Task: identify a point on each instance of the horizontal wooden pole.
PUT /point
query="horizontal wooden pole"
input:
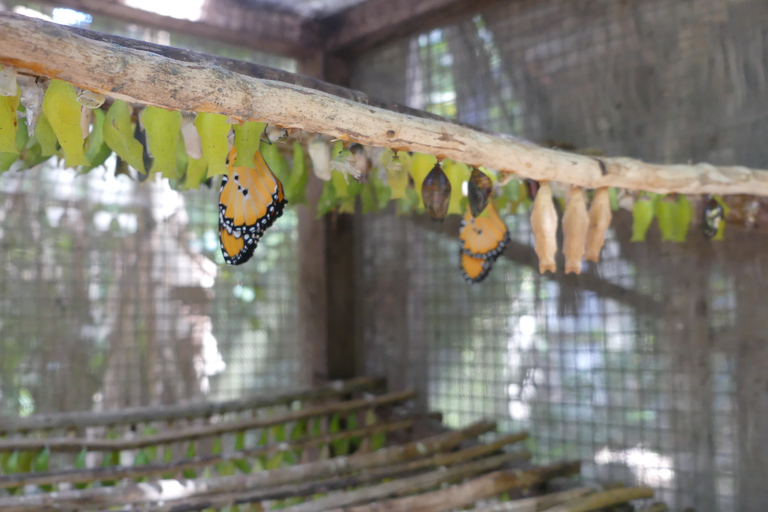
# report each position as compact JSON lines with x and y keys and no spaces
{"x":142,"y":77}
{"x":133,"y":415}
{"x":159,"y":468}
{"x":197,"y":432}
{"x":171,"y":490}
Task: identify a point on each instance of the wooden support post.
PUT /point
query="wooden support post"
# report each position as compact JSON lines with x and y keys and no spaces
{"x":327,"y":266}
{"x":313,"y":304}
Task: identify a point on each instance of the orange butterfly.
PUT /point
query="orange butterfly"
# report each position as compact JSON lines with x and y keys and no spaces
{"x":483,"y":239}
{"x":249,"y":202}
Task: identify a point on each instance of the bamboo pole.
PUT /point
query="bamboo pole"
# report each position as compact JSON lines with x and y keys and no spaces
{"x":604,"y":499}
{"x":459,"y":496}
{"x":537,"y":503}
{"x":121,"y":472}
{"x":310,"y":488}
{"x":133,"y":415}
{"x":166,"y":490}
{"x":145,"y":77}
{"x":196,"y":432}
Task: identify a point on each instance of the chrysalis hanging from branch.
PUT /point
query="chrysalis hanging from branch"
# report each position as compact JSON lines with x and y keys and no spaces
{"x":436,"y":193}
{"x":544,"y":226}
{"x":575,"y":224}
{"x":599,"y":219}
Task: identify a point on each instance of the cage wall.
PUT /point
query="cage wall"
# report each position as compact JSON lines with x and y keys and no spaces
{"x":114,"y":293}
{"x":650,"y":366}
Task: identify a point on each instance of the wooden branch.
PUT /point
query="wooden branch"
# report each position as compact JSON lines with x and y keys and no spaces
{"x":143,"y":77}
{"x":656,"y":507}
{"x":279,"y":32}
{"x":196,"y":432}
{"x":166,"y":490}
{"x":322,"y":486}
{"x":371,"y":23}
{"x":402,"y":486}
{"x":133,"y":415}
{"x":462,"y":495}
{"x":537,"y":503}
{"x":601,"y":500}
{"x":121,"y":472}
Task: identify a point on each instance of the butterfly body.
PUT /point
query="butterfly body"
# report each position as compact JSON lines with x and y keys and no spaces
{"x":250,"y":200}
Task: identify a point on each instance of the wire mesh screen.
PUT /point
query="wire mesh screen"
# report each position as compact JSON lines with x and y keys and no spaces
{"x":115,"y":294}
{"x":650,"y":366}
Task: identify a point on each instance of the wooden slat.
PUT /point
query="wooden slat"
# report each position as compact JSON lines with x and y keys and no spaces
{"x":268,"y":30}
{"x":374,"y":22}
{"x":133,"y":415}
{"x":197,"y":432}
{"x":172,"y":490}
{"x":160,"y":468}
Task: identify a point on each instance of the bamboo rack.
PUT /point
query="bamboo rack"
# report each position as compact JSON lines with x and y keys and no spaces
{"x":153,"y":75}
{"x":355,"y":467}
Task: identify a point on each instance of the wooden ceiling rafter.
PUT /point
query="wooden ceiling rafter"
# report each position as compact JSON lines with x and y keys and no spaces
{"x":270,"y":30}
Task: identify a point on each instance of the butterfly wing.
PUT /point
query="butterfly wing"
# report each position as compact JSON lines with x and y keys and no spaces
{"x":483,"y":239}
{"x":249,"y":202}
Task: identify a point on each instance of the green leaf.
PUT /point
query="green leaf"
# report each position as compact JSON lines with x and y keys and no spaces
{"x":213,"y":130}
{"x":118,"y":135}
{"x":642,"y":216}
{"x":45,"y":135}
{"x":664,"y":216}
{"x":195,"y":174}
{"x":296,"y":186}
{"x":42,"y":459}
{"x":80,"y":464}
{"x":62,"y":109}
{"x":720,"y":235}
{"x":12,"y":463}
{"x":217,"y":446}
{"x":142,"y":458}
{"x":226,"y":468}
{"x":9,"y":122}
{"x":163,"y":129}
{"x":421,"y":164}
{"x":41,"y":464}
{"x":613,"y":197}
{"x":457,"y":174}
{"x":340,"y":446}
{"x":327,"y":199}
{"x":275,"y":161}
{"x":247,"y":142}
{"x":190,"y":473}
{"x":683,"y":213}
{"x":276,"y":461}
{"x":242,"y":465}
{"x":240,"y":441}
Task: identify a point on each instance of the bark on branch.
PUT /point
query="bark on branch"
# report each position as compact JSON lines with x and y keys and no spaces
{"x":146,"y":76}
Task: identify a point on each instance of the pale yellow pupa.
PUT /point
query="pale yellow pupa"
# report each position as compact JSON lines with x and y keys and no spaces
{"x":575,"y":224}
{"x":599,"y":219}
{"x":544,"y":226}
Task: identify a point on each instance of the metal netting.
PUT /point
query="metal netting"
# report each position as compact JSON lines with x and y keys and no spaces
{"x":650,"y":367}
{"x":114,"y":293}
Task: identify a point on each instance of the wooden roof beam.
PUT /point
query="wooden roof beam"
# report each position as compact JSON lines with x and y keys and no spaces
{"x":374,"y":22}
{"x":278,"y":32}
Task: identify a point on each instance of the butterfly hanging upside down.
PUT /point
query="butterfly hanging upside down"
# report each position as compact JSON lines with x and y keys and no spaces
{"x":483,"y":239}
{"x":249,"y":202}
